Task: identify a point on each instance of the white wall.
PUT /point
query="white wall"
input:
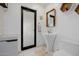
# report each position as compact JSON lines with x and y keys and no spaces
{"x":2,"y":10}
{"x":67,"y":23}
{"x":12,"y":21}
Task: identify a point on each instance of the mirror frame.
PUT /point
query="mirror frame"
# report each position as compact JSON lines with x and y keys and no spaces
{"x":34,"y":11}
{"x":53,"y":16}
{"x":77,"y":9}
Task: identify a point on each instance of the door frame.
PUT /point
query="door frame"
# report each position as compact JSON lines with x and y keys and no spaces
{"x":34,"y":11}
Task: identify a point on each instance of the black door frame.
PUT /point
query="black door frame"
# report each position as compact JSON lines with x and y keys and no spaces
{"x":34,"y":11}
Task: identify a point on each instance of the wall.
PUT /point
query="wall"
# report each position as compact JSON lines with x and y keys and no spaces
{"x":67,"y":24}
{"x":2,"y":10}
{"x":12,"y":21}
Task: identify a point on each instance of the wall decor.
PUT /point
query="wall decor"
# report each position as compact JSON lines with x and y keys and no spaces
{"x":4,"y":5}
{"x":39,"y":27}
{"x":41,"y":17}
{"x":77,"y":9}
{"x":50,"y":18}
{"x":65,"y":7}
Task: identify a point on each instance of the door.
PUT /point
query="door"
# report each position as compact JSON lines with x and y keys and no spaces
{"x":28,"y":28}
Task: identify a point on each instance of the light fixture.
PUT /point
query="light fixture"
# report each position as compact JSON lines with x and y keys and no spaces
{"x":65,"y":7}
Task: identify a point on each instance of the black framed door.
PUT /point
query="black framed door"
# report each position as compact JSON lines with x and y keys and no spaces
{"x":28,"y":28}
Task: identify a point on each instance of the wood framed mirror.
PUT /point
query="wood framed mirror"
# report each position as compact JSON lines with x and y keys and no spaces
{"x":28,"y":28}
{"x":51,"y":18}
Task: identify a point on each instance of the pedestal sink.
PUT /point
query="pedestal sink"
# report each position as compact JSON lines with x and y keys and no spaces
{"x":50,"y":40}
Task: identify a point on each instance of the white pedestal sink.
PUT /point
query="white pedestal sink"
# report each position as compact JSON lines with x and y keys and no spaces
{"x":50,"y":40}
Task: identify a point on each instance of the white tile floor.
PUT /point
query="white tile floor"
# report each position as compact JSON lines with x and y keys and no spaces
{"x":42,"y":52}
{"x":28,"y":52}
{"x":32,"y":52}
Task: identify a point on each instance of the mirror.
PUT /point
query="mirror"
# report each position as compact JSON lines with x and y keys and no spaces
{"x":28,"y":28}
{"x":50,"y":18}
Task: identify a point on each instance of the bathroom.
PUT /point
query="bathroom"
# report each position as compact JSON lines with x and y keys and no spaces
{"x":64,"y":34}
